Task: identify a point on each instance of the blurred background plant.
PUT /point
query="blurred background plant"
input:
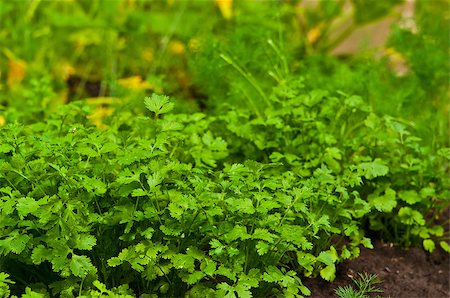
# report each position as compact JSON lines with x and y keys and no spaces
{"x":212,"y":54}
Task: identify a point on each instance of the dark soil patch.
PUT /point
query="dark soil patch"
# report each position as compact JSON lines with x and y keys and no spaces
{"x":404,"y":273}
{"x":81,"y":87}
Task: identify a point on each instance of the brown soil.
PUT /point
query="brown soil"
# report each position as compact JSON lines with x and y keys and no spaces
{"x":79,"y":86}
{"x":404,"y":273}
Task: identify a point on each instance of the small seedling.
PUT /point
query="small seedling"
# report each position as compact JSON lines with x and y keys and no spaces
{"x":365,"y":284}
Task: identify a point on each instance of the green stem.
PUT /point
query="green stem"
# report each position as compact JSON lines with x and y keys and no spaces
{"x":284,"y":251}
{"x":81,"y":287}
{"x":252,"y":103}
{"x":280,"y":55}
{"x":32,"y":9}
{"x":247,"y":76}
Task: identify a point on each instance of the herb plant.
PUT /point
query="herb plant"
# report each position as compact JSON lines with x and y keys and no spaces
{"x":242,"y":181}
{"x":153,"y":203}
{"x":365,"y":285}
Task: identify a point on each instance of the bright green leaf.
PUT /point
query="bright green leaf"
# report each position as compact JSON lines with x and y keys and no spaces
{"x":26,"y":206}
{"x":85,"y":241}
{"x":445,"y":246}
{"x":429,"y":245}
{"x":158,"y":104}
{"x":409,"y":196}
{"x":383,"y":203}
{"x":329,"y":272}
{"x":81,"y":265}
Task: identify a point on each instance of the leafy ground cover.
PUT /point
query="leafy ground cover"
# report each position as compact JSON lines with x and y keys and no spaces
{"x":214,"y":149}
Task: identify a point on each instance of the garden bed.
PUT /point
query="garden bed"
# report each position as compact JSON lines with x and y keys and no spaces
{"x":222,"y":148}
{"x":404,"y":273}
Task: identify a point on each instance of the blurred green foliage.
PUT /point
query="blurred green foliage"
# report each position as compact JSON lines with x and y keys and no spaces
{"x":84,"y":48}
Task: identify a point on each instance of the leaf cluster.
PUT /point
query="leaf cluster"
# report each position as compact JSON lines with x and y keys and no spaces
{"x":285,"y":173}
{"x":240,"y":204}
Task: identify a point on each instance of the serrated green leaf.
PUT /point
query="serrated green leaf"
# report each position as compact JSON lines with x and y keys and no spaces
{"x":246,"y":206}
{"x":185,"y":262}
{"x":138,"y":192}
{"x":172,"y":230}
{"x":238,"y":232}
{"x":305,"y":290}
{"x":176,"y":211}
{"x":262,"y":248}
{"x":444,"y":152}
{"x":383,"y":203}
{"x":59,"y":260}
{"x":345,"y":254}
{"x":26,"y":206}
{"x":373,"y":169}
{"x":87,"y":151}
{"x":195,"y":277}
{"x":154,"y":180}
{"x":80,"y":265}
{"x":367,"y":243}
{"x":40,"y":254}
{"x":208,"y":267}
{"x":227,"y":272}
{"x":306,"y":260}
{"x":171,"y":126}
{"x":429,"y":245}
{"x":4,"y":278}
{"x":148,"y":233}
{"x":195,"y":252}
{"x":29,"y":293}
{"x":410,"y":216}
{"x":5,"y":148}
{"x":295,"y":234}
{"x":409,"y":196}
{"x":243,"y":290}
{"x":329,"y":272}
{"x":126,"y":177}
{"x":109,"y":147}
{"x":94,"y":185}
{"x":427,"y":192}
{"x":15,"y":243}
{"x":158,"y":104}
{"x":266,"y":206}
{"x":328,"y":257}
{"x":252,"y":278}
{"x":263,"y":234}
{"x":85,"y":241}
{"x":273,"y":274}
{"x":436,"y":231}
{"x":354,"y":101}
{"x":100,"y":286}
{"x":115,"y":261}
{"x":372,"y":121}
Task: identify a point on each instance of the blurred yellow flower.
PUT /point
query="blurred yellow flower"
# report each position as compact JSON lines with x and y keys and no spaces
{"x":314,"y":34}
{"x":397,"y":62}
{"x":226,"y":8}
{"x":101,"y":111}
{"x":64,"y":70}
{"x":16,"y":72}
{"x":176,"y":47}
{"x":148,"y":55}
{"x":135,"y":83}
{"x":99,"y":114}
